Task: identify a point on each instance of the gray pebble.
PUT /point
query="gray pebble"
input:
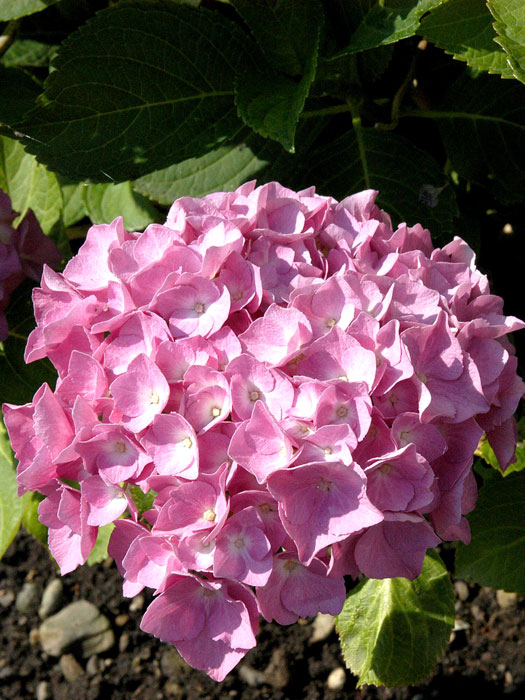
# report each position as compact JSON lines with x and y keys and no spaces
{"x":277,"y":673}
{"x":172,"y":663}
{"x":323,"y":626}
{"x":137,"y":603}
{"x":78,"y":623}
{"x":461,"y":589}
{"x":27,"y":597}
{"x":251,"y":676}
{"x":336,"y":679}
{"x":70,"y":668}
{"x":123,"y":642}
{"x":6,"y":598}
{"x":93,"y":665}
{"x":42,"y":691}
{"x":51,"y":598}
{"x":506,"y":600}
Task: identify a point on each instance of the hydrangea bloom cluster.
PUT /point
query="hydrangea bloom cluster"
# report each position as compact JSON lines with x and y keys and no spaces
{"x":298,"y":386}
{"x":23,"y":251}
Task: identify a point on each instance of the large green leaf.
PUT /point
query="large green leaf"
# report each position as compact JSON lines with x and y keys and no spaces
{"x":510,"y":27}
{"x":286,"y":31}
{"x":222,"y":169}
{"x":393,"y":631}
{"x":270,"y":103}
{"x":18,"y":93}
{"x":11,"y":507}
{"x":103,"y":203}
{"x":74,"y":208}
{"x":30,"y":185}
{"x":18,"y":380}
{"x":495,"y":554}
{"x":482,"y":123}
{"x":387,"y":22}
{"x":403,"y":174}
{"x":13,"y":9}
{"x":139,"y":86}
{"x":464,"y":29}
{"x":268,"y":100}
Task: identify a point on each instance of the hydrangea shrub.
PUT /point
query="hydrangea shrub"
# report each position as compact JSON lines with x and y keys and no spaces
{"x":298,"y":387}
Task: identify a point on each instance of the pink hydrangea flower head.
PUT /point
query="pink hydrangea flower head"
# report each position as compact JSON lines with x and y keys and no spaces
{"x":269,"y":392}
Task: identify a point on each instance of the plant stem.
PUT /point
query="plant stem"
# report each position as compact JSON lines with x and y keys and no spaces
{"x":335,"y":109}
{"x":9,"y":35}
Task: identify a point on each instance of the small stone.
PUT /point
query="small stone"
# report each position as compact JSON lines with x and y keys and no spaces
{"x":51,"y":598}
{"x":460,"y":625}
{"x":80,"y":623}
{"x":477,"y":613}
{"x":461,"y":589}
{"x":93,"y":665}
{"x":277,"y":673}
{"x":70,"y":668}
{"x":323,"y":626}
{"x":6,"y":598}
{"x":509,"y":680}
{"x":506,"y":600}
{"x":42,"y":691}
{"x":250,"y":675}
{"x":123,"y":642}
{"x":336,"y":679}
{"x":34,"y":636}
{"x":173,"y":690}
{"x":27,"y":598}
{"x":121,"y":620}
{"x":172,"y":663}
{"x":137,"y":603}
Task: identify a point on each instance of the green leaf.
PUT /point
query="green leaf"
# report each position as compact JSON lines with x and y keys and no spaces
{"x":138,"y":87}
{"x":11,"y":507}
{"x":143,"y":501}
{"x":286,"y":32}
{"x":486,"y":452}
{"x":30,"y":518}
{"x":482,"y":123}
{"x":495,"y":554}
{"x":222,"y":169}
{"x":391,"y":164}
{"x":100,"y":550}
{"x":510,"y":27}
{"x":270,"y":103}
{"x":103,"y":203}
{"x":393,"y":631}
{"x":464,"y":29}
{"x":18,"y":380}
{"x":13,"y":9}
{"x":387,"y":22}
{"x":29,"y":185}
{"x":18,"y":93}
{"x":29,"y":53}
{"x":74,"y":209}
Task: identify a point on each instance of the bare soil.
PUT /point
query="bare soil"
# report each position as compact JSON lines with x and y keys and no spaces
{"x":487,"y":656}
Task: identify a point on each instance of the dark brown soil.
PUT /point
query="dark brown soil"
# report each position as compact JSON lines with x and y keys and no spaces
{"x":488,"y":656}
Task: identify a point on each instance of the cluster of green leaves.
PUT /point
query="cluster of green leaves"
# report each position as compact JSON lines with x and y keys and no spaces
{"x":114,"y":108}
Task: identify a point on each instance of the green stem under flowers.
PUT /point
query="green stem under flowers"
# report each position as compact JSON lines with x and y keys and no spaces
{"x":335,"y":109}
{"x":358,"y":128}
{"x":8,"y":36}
